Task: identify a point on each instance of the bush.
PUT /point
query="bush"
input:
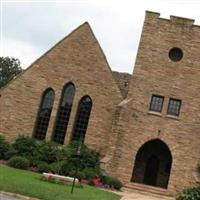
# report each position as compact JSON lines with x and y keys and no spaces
{"x":64,"y":153}
{"x":56,"y":167}
{"x":34,"y":162}
{"x":66,"y":167}
{"x":113,"y":182}
{"x":90,"y":173}
{"x":11,"y":153}
{"x":25,"y":146}
{"x":43,"y":167}
{"x":46,"y":152}
{"x":18,"y":162}
{"x":4,"y":147}
{"x":88,"y":158}
{"x":190,"y":194}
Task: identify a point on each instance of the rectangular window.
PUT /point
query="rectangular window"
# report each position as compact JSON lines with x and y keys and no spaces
{"x":174,"y":107}
{"x":156,"y":103}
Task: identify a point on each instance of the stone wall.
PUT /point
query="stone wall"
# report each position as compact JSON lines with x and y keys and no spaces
{"x":156,"y":73}
{"x":78,"y":58}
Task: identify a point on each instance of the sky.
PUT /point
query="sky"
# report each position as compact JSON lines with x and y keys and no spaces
{"x":28,"y":28}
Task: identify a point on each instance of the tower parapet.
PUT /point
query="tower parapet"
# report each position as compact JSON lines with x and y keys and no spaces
{"x":174,"y":20}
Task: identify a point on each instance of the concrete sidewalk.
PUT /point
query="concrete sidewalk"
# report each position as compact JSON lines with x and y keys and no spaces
{"x":6,"y":197}
{"x":134,"y":195}
{"x":13,"y":196}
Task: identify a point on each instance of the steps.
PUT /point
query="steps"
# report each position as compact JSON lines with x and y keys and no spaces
{"x":150,"y":190}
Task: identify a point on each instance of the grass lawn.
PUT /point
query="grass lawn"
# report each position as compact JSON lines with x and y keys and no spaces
{"x":28,"y":183}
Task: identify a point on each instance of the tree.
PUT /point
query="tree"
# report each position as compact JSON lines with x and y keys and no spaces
{"x":9,"y":68}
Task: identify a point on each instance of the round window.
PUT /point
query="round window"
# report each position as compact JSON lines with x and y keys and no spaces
{"x":175,"y":54}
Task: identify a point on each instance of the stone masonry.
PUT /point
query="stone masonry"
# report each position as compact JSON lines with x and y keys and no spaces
{"x":120,"y":122}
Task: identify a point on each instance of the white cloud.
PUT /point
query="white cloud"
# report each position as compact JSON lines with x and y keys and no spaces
{"x":21,"y":50}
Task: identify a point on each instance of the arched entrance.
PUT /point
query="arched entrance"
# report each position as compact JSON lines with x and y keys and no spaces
{"x":153,"y":164}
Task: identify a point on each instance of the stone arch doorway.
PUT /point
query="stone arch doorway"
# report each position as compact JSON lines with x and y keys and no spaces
{"x":153,"y":164}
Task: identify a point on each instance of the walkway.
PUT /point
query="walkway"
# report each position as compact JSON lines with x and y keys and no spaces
{"x":134,"y":195}
{"x":137,"y":196}
{"x":12,"y":196}
{"x":6,"y":197}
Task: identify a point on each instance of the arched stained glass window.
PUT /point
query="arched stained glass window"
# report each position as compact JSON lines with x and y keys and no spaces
{"x":82,"y":118}
{"x":63,"y":114}
{"x":44,"y":114}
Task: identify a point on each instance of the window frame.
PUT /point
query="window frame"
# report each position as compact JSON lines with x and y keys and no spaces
{"x":173,"y":114}
{"x":151,"y":103}
{"x":61,"y":118}
{"x":38,"y":122}
{"x":77,"y":131}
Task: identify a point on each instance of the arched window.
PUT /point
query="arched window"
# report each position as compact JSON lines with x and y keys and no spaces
{"x":44,"y":114}
{"x":82,"y":118}
{"x":63,"y":114}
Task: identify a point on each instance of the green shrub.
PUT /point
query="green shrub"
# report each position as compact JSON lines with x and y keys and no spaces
{"x":190,"y":194}
{"x":66,"y":168}
{"x":18,"y":162}
{"x":63,"y":153}
{"x":56,"y":167}
{"x":113,"y":182}
{"x":4,"y":147}
{"x":46,"y":152}
{"x":91,"y":173}
{"x":88,"y":158}
{"x":25,"y":146}
{"x":43,"y":167}
{"x":11,"y":153}
{"x":34,"y":162}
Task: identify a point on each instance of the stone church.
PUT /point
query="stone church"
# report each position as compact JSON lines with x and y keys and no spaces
{"x":146,"y":126}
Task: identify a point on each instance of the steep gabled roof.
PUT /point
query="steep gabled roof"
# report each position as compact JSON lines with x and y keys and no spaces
{"x":70,"y":40}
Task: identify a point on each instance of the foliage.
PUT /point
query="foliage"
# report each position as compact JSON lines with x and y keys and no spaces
{"x":25,"y":146}
{"x":65,"y":168}
{"x":88,"y":158}
{"x":29,"y":184}
{"x":18,"y":162}
{"x":190,"y":194}
{"x":56,"y":167}
{"x":46,"y":152}
{"x":4,"y":147}
{"x":50,"y":157}
{"x":9,"y":68}
{"x":113,"y":182}
{"x":10,"y":153}
{"x":88,"y":162}
{"x":90,"y":173}
{"x":43,"y":167}
{"x":35,"y":152}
